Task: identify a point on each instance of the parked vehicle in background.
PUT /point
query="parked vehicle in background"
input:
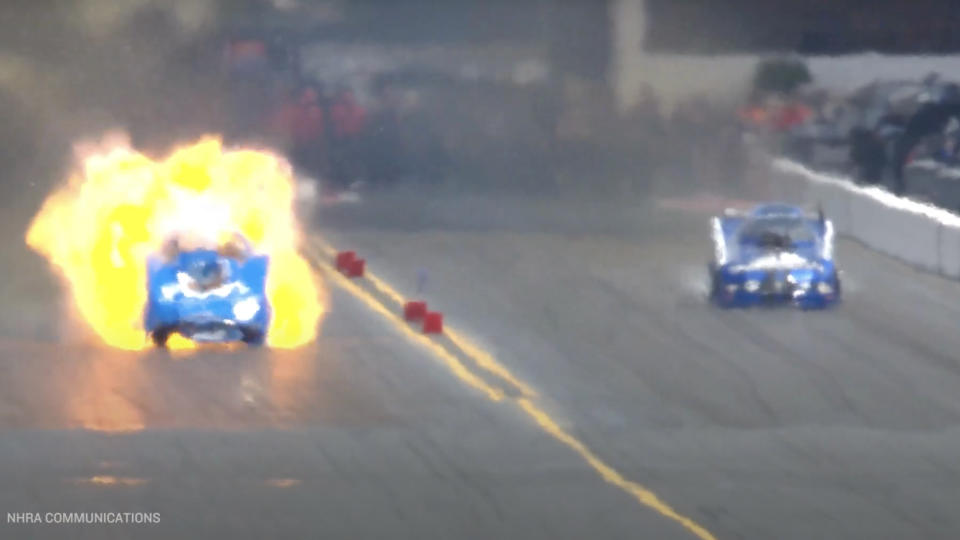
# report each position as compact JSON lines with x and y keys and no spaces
{"x":873,"y":131}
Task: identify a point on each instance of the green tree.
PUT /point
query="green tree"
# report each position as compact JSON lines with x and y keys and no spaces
{"x":780,"y":75}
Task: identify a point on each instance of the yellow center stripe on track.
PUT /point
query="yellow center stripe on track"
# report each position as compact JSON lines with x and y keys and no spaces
{"x":483,"y":359}
{"x":525,"y":402}
{"x":451,"y":361}
{"x":643,"y":495}
{"x":486,"y":361}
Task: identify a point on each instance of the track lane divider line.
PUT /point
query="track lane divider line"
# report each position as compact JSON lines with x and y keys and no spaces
{"x":452,"y":362}
{"x":643,"y":495}
{"x":486,"y":361}
{"x":524,"y":402}
{"x":481,"y":357}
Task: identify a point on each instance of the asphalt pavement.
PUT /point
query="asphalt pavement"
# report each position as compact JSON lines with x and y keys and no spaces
{"x":756,"y":424}
{"x":751,"y":424}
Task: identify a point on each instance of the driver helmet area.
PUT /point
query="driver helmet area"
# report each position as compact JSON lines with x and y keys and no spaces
{"x":204,"y":262}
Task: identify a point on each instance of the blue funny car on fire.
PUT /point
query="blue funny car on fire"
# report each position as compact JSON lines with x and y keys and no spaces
{"x":773,"y":254}
{"x":207,"y":294}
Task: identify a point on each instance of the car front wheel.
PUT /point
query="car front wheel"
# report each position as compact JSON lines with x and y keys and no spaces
{"x":160,"y":336}
{"x":252,"y":336}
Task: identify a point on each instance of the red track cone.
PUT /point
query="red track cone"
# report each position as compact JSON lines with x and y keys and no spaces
{"x":433,"y":322}
{"x":414,"y":310}
{"x":356,"y":268}
{"x":344,"y":259}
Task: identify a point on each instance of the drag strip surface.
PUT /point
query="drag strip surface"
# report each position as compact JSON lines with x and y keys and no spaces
{"x":360,"y":435}
{"x":457,"y":351}
{"x":756,"y":424}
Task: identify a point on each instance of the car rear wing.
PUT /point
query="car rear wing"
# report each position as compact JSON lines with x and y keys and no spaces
{"x":816,"y":214}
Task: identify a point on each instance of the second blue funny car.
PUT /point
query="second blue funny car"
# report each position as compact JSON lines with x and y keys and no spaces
{"x":773,"y":254}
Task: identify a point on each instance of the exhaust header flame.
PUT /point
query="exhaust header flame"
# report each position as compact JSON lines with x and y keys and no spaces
{"x":120,"y":205}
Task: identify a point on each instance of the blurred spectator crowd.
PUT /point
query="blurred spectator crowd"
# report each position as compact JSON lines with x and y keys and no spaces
{"x":327,"y":131}
{"x":872,"y":134}
{"x":427,"y":126}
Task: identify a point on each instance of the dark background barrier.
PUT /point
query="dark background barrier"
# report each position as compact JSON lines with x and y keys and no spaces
{"x":935,"y":183}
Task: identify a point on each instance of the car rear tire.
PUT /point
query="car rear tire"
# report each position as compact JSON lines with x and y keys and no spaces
{"x":714,"y":294}
{"x":253,"y":337}
{"x":160,"y":336}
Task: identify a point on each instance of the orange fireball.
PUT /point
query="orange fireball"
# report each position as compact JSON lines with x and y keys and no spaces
{"x":120,"y":205}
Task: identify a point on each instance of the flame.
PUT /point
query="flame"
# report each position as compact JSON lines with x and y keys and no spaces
{"x":110,"y":480}
{"x":120,"y":205}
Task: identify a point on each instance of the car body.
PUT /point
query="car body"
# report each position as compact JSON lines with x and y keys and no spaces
{"x":207,"y":294}
{"x":773,"y":254}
